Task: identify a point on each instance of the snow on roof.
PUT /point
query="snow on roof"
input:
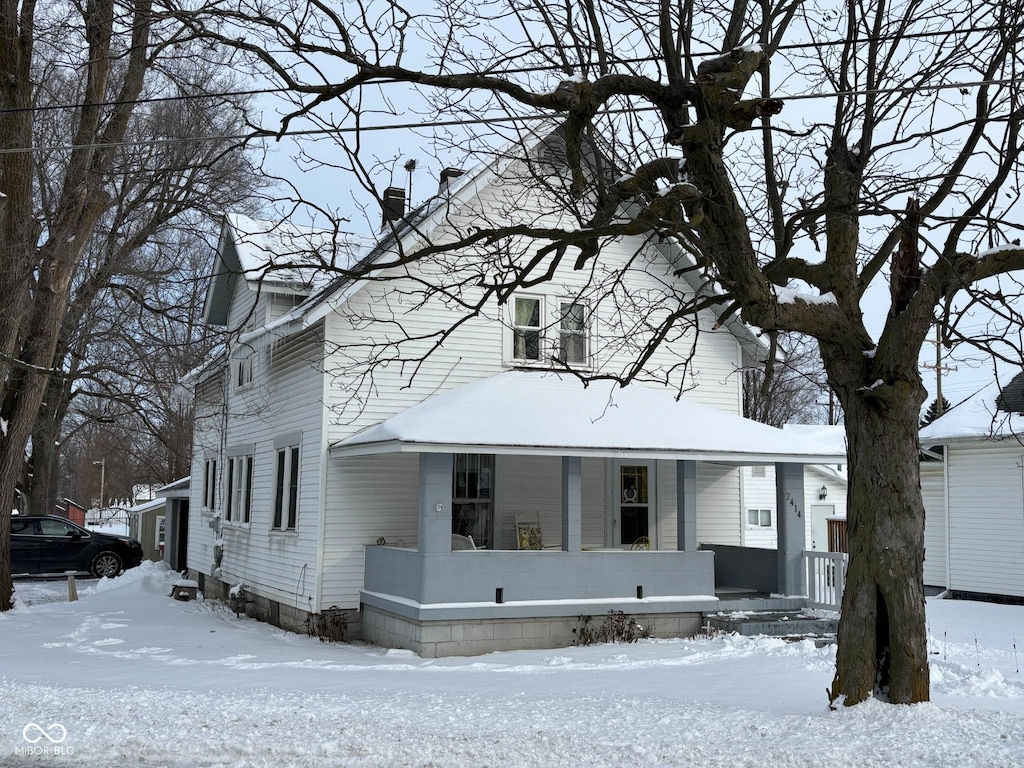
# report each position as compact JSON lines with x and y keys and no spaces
{"x":975,"y":418}
{"x":146,"y":506}
{"x":181,"y":484}
{"x":832,"y":435}
{"x":285,"y":254}
{"x":545,"y":413}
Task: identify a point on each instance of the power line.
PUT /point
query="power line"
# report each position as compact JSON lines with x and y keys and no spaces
{"x":261,"y":133}
{"x":817,"y":45}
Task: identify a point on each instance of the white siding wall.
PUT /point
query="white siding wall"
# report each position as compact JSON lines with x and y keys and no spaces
{"x":248,"y":309}
{"x":986,"y":519}
{"x":208,"y":425}
{"x":933,"y":490}
{"x":285,"y":399}
{"x":367,"y":497}
{"x":718,"y":502}
{"x":668,"y":514}
{"x":759,"y":493}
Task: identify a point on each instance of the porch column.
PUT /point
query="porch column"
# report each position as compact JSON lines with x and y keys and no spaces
{"x":572,"y":503}
{"x":791,"y":519}
{"x":435,"y":502}
{"x":686,"y":505}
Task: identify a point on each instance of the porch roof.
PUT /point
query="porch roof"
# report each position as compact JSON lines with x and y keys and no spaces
{"x":543,"y":413}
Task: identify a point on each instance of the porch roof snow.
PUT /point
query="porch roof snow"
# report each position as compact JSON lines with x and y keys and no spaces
{"x":529,"y":412}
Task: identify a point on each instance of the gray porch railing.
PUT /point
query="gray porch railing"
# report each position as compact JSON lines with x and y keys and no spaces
{"x":826,"y":578}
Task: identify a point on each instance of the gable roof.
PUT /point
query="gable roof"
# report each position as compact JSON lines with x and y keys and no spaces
{"x":985,"y":415}
{"x":431,"y":214}
{"x":1011,"y":397}
{"x":277,"y":257}
{"x":539,"y":413}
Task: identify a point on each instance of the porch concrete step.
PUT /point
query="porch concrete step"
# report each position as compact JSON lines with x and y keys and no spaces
{"x":772,"y":623}
{"x":753,"y":602}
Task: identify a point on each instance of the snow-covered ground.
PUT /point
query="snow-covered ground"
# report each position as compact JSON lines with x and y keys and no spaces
{"x":130,"y":677}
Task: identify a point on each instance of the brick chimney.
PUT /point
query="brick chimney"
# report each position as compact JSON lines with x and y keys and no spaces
{"x":392,"y":206}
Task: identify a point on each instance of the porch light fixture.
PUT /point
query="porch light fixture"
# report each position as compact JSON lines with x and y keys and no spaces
{"x":822,"y":493}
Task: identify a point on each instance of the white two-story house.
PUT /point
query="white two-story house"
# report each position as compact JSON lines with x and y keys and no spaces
{"x":430,"y":466}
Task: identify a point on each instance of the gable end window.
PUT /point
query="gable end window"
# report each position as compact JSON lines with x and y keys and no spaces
{"x":286,"y":488}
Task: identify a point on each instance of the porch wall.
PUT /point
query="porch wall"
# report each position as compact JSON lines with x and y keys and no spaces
{"x":465,"y":583}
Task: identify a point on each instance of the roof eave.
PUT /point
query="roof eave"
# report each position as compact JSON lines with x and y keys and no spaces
{"x":340,"y":450}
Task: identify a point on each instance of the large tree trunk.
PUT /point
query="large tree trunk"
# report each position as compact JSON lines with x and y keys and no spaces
{"x":883,"y":644}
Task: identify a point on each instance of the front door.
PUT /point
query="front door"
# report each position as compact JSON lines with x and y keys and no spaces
{"x":633,"y":507}
{"x":820,"y":513}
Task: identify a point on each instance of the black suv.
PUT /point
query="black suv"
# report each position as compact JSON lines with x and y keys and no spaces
{"x":51,"y":544}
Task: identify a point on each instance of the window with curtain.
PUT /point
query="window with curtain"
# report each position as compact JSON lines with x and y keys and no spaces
{"x":473,"y":498}
{"x":572,"y":333}
{"x":526,"y":333}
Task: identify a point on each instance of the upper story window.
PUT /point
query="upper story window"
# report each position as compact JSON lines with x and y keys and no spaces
{"x":544,"y":330}
{"x":572,"y":332}
{"x":243,"y":370}
{"x":526,"y":332}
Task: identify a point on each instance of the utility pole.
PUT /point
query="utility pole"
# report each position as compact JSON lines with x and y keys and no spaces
{"x":939,"y":370}
{"x":103,"y":477}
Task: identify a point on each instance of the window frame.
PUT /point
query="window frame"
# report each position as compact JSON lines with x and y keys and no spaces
{"x":287,"y":483}
{"x":238,"y":496}
{"x":210,"y":484}
{"x":583,"y":332}
{"x":537,"y":329}
{"x":243,"y":370}
{"x":552,"y":311}
{"x":760,"y":512}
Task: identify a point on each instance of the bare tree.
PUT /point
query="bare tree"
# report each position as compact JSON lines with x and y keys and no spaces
{"x":86,"y":68}
{"x":790,"y":217}
{"x":791,"y":394}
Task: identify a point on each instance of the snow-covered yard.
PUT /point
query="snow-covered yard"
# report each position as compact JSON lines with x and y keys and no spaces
{"x":133,"y":677}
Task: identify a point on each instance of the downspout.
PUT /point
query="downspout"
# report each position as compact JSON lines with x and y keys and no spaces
{"x":321,"y":528}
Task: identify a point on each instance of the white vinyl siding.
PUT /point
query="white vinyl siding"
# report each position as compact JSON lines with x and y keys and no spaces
{"x":367,"y":498}
{"x":279,"y":565}
{"x":933,"y":491}
{"x":986,"y":519}
{"x":718,"y":505}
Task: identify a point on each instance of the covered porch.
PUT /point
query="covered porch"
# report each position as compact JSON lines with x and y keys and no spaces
{"x":438,"y":600}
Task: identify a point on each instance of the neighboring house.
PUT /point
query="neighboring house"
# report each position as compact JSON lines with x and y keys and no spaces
{"x":973,"y":492}
{"x":328,"y":479}
{"x":825,"y":487}
{"x":146,"y":524}
{"x":174,"y":537}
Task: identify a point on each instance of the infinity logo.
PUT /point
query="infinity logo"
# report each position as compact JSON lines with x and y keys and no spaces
{"x":59,"y":733}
